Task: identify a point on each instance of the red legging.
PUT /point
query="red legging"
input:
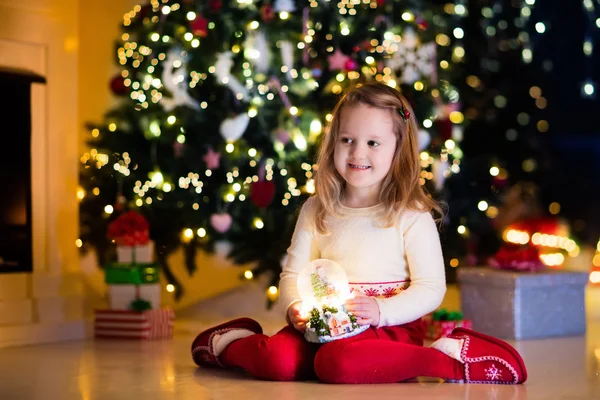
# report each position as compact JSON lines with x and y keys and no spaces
{"x":384,"y":355}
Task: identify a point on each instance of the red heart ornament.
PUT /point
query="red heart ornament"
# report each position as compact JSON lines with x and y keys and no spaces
{"x":262,"y":192}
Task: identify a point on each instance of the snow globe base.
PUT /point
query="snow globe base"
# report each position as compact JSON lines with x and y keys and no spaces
{"x":330,"y":323}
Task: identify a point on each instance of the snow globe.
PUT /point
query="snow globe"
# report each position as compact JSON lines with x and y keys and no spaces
{"x":323,"y":287}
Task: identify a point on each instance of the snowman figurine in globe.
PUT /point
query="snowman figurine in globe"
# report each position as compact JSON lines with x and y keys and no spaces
{"x":323,"y":287}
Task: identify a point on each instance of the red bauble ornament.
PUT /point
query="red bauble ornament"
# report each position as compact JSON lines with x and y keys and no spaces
{"x":121,"y":202}
{"x":199,"y":26}
{"x":117,"y":86}
{"x":444,"y":128}
{"x":266,"y":12}
{"x":145,"y":11}
{"x":364,"y":45}
{"x":262,"y":192}
{"x":215,"y":5}
{"x":499,"y":181}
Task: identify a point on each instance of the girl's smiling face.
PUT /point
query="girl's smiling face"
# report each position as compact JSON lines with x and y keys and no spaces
{"x":364,"y":150}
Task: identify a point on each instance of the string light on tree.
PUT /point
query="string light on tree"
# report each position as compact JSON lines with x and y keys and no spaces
{"x":589,"y":89}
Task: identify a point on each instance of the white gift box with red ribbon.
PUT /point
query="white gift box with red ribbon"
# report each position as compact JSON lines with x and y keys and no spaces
{"x":120,"y":296}
{"x":136,"y":254}
{"x":150,"y":324}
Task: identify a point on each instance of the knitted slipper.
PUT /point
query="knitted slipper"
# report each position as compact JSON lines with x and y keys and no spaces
{"x":486,"y":359}
{"x":209,"y":344}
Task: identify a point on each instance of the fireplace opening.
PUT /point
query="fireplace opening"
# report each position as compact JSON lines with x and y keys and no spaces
{"x":16,"y":244}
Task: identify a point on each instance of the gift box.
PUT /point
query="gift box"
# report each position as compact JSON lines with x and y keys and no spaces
{"x":121,"y":297}
{"x":119,"y":273}
{"x":151,"y":324}
{"x":441,"y":323}
{"x":141,"y":253}
{"x":523,"y":305}
{"x":131,"y":232}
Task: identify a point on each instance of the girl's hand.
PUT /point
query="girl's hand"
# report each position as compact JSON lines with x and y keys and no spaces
{"x":295,"y":318}
{"x":364,"y":308}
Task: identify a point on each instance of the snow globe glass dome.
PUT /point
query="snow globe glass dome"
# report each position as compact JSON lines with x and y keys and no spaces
{"x":323,"y":287}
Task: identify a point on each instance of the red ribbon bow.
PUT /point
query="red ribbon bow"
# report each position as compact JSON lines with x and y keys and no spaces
{"x":129,"y":229}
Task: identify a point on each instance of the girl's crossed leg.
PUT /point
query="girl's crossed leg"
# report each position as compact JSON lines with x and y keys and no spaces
{"x":384,"y":355}
{"x":285,"y":356}
{"x":390,"y":354}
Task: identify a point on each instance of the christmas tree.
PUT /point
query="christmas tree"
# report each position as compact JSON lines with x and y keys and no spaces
{"x":223,"y":103}
{"x":509,"y":188}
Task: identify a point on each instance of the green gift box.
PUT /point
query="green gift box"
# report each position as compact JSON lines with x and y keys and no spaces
{"x":139,"y":274}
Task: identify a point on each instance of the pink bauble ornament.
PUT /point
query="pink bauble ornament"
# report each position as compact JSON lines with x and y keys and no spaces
{"x":351,"y":65}
{"x":283,"y":136}
{"x":121,"y":202}
{"x":221,"y":222}
{"x":178,"y":149}
{"x":337,"y":60}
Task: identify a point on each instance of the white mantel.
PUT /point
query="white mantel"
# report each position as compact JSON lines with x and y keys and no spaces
{"x":50,"y":303}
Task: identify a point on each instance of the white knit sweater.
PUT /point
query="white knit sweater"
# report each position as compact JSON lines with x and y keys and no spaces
{"x":401,"y":266}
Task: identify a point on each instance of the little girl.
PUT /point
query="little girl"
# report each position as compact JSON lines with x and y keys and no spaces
{"x":370,"y":215}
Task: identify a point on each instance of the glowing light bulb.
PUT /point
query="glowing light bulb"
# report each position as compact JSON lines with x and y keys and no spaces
{"x":589,"y":89}
{"x":540,"y":27}
{"x":316,"y":127}
{"x":482,"y":205}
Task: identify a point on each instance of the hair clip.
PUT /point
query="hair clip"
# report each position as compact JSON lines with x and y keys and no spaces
{"x":404,"y":113}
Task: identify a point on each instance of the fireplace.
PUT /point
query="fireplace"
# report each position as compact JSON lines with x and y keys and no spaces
{"x":16,"y":238}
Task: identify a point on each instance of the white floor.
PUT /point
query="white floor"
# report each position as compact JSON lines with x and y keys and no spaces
{"x":562,"y":368}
